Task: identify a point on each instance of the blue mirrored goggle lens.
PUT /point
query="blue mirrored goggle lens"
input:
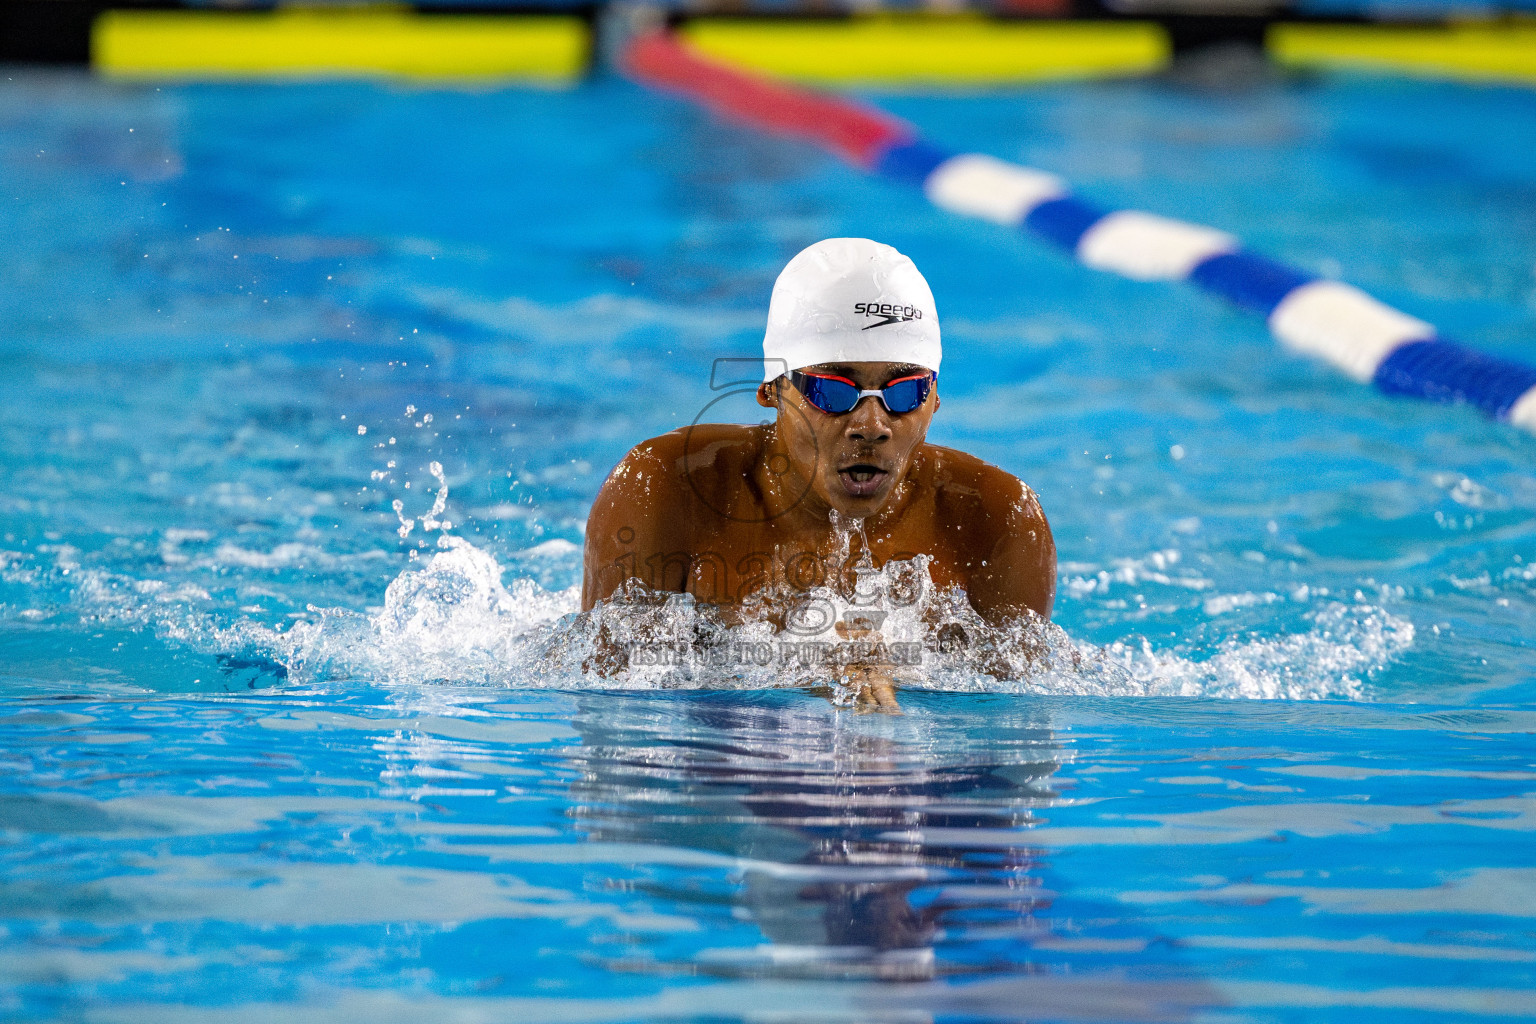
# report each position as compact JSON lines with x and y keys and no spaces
{"x":830,"y":396}
{"x":906,"y":395}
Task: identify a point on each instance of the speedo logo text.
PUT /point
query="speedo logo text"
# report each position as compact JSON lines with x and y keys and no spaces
{"x":891,"y":314}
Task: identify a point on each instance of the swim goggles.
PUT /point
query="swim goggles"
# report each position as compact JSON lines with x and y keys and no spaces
{"x":837,"y":395}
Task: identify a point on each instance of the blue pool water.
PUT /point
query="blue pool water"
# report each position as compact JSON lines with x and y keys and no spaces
{"x":266,"y":758}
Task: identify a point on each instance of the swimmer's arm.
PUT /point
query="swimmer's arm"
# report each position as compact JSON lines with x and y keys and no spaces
{"x":636,"y":521}
{"x":1017,"y":576}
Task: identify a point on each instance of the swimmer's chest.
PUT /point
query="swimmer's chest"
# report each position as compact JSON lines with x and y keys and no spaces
{"x":730,"y":561}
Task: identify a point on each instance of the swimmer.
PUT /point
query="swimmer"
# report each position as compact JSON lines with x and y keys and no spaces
{"x":744,"y":517}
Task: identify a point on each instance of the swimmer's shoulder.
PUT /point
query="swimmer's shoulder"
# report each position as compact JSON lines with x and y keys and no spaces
{"x":1000,"y":533}
{"x":976,"y":492}
{"x":640,"y":511}
{"x":647,"y":469}
{"x":667,"y":468}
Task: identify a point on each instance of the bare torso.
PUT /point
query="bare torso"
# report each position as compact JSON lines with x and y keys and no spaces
{"x":710,"y":511}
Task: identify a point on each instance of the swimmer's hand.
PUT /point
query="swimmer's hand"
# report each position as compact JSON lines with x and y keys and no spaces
{"x":608,"y":658}
{"x":873,"y":687}
{"x":876,"y":690}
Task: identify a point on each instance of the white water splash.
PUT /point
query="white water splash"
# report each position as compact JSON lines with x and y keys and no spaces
{"x":1335,"y":659}
{"x":454,"y":619}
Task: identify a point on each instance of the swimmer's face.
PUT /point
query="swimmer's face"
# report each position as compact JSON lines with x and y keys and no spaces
{"x":852,"y":461}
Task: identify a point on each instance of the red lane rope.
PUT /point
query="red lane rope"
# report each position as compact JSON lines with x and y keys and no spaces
{"x":856,"y":133}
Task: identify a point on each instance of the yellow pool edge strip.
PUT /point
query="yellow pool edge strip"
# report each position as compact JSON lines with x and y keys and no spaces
{"x":954,"y":51}
{"x":1468,"y":52}
{"x":950,"y":50}
{"x":338,"y":43}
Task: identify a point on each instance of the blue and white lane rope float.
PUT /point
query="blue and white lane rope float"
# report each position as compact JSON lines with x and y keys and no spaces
{"x":1367,"y":339}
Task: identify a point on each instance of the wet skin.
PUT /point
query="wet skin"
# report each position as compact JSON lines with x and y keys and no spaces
{"x":724,"y":511}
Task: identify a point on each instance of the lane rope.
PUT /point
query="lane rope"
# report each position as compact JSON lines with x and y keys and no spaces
{"x":1367,"y":339}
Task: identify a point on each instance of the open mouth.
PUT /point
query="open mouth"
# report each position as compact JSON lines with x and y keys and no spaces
{"x":862,"y":479}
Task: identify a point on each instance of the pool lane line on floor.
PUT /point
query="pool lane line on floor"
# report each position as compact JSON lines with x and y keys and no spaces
{"x":1367,"y":339}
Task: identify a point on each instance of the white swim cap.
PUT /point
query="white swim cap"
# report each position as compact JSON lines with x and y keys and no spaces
{"x":850,"y":300}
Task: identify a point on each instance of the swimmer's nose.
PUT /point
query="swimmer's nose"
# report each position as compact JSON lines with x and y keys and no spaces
{"x":868,"y":422}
